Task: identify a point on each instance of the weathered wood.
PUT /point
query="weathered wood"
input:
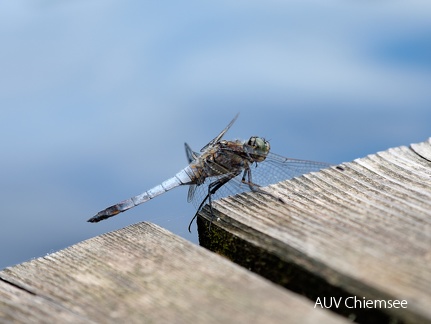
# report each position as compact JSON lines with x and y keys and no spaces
{"x":143,"y":274}
{"x":364,"y":231}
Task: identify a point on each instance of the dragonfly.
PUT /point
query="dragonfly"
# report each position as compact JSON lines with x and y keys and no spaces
{"x":221,"y":168}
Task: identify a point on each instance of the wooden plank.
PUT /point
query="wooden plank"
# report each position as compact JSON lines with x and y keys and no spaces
{"x":144,"y":274}
{"x":20,"y":306}
{"x":423,"y":149}
{"x":364,"y":231}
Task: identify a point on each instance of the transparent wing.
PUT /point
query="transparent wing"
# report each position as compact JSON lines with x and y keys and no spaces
{"x":219,"y":136}
{"x":273,"y":169}
{"x":277,"y":168}
{"x":190,"y":154}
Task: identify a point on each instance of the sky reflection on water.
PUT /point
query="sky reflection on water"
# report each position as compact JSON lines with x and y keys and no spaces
{"x":97,"y":99}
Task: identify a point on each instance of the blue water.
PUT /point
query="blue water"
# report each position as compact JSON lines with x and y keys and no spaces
{"x":97,"y":99}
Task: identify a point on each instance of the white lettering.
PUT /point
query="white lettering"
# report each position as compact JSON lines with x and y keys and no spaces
{"x":337,"y":304}
{"x":354,"y":302}
{"x":380,"y":302}
{"x":318,"y":302}
{"x":345,"y":302}
{"x":328,"y":303}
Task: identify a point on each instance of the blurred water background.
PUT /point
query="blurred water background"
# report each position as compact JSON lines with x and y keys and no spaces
{"x":98,"y":97}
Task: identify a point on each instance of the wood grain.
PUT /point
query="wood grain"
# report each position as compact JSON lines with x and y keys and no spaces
{"x":365,"y":231}
{"x":145,"y":274}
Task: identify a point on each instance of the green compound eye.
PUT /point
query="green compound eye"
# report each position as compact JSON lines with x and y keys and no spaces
{"x":258,"y":148}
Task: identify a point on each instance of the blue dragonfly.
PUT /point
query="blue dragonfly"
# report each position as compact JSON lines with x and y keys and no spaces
{"x":221,"y":168}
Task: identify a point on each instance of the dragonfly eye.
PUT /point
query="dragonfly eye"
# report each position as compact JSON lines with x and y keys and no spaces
{"x":258,"y":148}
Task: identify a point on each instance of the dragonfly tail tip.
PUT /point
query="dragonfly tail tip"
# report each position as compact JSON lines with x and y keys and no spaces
{"x":94,"y":220}
{"x":104,"y":214}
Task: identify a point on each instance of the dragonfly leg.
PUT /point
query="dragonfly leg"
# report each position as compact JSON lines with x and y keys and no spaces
{"x":255,"y":187}
{"x":212,"y":189}
{"x":197,"y":211}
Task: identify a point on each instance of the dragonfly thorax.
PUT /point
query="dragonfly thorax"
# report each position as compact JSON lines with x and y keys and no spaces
{"x":257,"y":148}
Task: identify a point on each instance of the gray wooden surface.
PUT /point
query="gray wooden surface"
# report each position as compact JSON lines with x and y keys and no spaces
{"x":365,"y":230}
{"x":145,"y":274}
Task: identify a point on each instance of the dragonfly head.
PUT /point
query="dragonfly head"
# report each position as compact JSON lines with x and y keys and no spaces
{"x":257,"y":148}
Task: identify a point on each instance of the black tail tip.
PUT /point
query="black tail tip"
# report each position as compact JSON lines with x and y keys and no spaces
{"x":96,"y":219}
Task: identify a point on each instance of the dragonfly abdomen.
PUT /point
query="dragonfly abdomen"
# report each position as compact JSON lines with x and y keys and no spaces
{"x":184,"y":177}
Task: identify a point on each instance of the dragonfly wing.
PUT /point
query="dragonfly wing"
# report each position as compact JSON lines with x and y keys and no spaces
{"x":276,"y":168}
{"x":190,"y":154}
{"x":191,"y":193}
{"x":217,"y":183}
{"x":220,"y":136}
{"x":273,"y":169}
